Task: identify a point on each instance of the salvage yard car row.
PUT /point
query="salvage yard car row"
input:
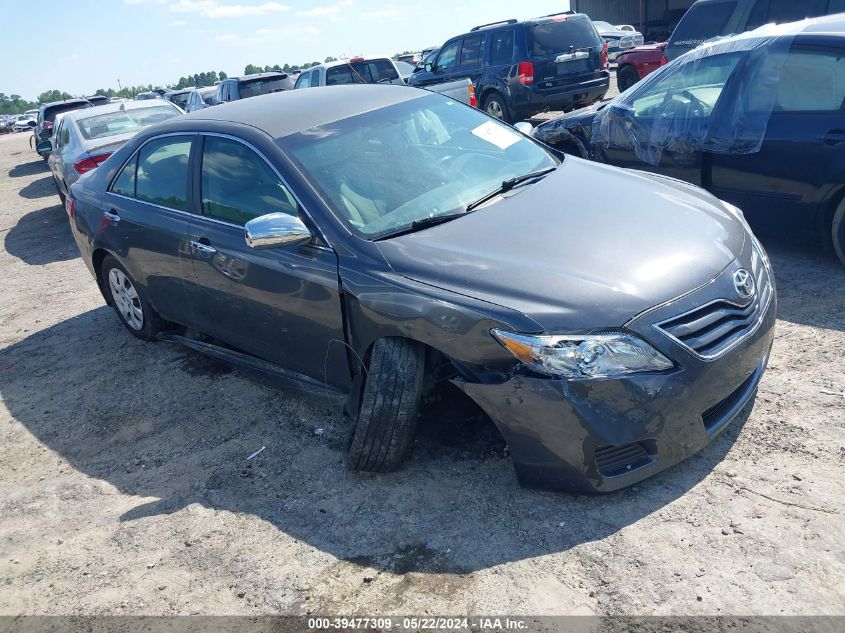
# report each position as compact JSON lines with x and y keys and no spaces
{"x":288,"y":245}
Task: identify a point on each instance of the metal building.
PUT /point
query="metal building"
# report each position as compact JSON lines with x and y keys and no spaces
{"x":655,"y":19}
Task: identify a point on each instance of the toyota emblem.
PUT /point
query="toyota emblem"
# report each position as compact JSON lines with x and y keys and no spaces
{"x":744,"y":284}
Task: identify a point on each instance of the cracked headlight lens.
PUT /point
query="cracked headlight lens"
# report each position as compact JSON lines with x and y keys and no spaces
{"x":600,"y":355}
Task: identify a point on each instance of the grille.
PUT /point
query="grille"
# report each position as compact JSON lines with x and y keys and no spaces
{"x":618,"y":460}
{"x":713,"y":329}
{"x":715,"y":414}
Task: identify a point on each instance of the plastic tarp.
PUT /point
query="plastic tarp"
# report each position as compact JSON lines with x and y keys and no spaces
{"x":679,"y":109}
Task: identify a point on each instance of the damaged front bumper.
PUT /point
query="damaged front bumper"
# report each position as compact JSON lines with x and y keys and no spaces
{"x":605,"y":434}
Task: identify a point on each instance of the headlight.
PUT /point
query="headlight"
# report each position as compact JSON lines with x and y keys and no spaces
{"x":601,"y":355}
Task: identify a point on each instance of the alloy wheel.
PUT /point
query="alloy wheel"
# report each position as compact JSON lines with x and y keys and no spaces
{"x":494,"y":108}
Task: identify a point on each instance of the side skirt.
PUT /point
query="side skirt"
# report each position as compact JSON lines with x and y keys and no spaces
{"x":299,"y":382}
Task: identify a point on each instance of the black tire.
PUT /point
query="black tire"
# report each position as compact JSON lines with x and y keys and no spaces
{"x":390,"y":402}
{"x":838,"y":231}
{"x":626,"y":77}
{"x":59,"y":190}
{"x":151,"y":321}
{"x":495,"y":102}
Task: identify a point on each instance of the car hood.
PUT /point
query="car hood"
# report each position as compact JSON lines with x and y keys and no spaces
{"x":589,"y":246}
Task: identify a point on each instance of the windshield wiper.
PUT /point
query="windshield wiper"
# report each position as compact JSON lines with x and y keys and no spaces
{"x":424,"y":223}
{"x":509,"y":184}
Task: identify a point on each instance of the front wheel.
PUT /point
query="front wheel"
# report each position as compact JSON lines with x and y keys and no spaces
{"x":128,"y":300}
{"x":495,"y":106}
{"x":838,"y":231}
{"x":387,"y":416}
{"x":626,"y":77}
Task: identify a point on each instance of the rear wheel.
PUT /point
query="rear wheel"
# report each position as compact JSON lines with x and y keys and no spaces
{"x":387,"y":417}
{"x":626,"y":77}
{"x":838,"y":231}
{"x":128,"y":301}
{"x":495,"y":106}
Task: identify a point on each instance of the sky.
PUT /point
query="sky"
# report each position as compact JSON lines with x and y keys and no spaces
{"x":158,"y":41}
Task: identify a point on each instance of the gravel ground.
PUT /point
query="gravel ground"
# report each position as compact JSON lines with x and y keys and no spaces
{"x":125,"y":489}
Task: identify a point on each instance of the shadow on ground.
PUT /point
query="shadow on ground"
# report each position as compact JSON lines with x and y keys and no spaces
{"x":810,"y":283}
{"x":42,"y":237}
{"x":29,"y":169}
{"x":145,"y":419}
{"x":40,"y":188}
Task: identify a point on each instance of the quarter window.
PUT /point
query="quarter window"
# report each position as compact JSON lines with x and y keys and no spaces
{"x":238,"y":185}
{"x":124,"y":184}
{"x":811,"y":81}
{"x":162,"y":173}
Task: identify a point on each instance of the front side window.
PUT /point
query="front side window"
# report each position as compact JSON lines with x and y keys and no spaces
{"x":304,"y":81}
{"x":448,"y":56}
{"x":429,"y":156}
{"x":238,"y":185}
{"x":162,"y":173}
{"x":690,"y":92}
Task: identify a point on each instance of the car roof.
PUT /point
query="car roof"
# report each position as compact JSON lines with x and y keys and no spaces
{"x":65,"y":102}
{"x":280,"y":114}
{"x":272,"y":73}
{"x":77,"y":115}
{"x":825,"y":25}
{"x":343,"y":62}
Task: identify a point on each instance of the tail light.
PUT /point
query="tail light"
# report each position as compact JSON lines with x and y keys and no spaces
{"x":526,"y":73}
{"x":472,"y":100}
{"x":92,"y":162}
{"x":604,"y":63}
{"x":70,"y":206}
{"x":664,"y":60}
{"x":48,"y":125}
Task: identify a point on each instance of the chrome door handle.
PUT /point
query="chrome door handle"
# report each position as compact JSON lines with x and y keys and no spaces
{"x":110,"y":215}
{"x":203,"y":248}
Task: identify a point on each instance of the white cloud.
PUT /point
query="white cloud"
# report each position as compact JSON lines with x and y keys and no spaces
{"x":179,"y":23}
{"x":138,"y":2}
{"x":331,"y":12}
{"x":387,"y":13}
{"x":266,"y":36}
{"x":226,"y":37}
{"x":215,"y":9}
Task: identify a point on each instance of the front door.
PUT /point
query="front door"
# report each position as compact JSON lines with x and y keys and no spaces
{"x":279,"y":304}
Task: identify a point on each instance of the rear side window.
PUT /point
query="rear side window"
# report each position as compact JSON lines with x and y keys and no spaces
{"x":471,"y":50}
{"x":556,"y":37}
{"x":702,"y":22}
{"x":811,"y":81}
{"x":238,"y":185}
{"x":162,"y":174}
{"x":501,"y":48}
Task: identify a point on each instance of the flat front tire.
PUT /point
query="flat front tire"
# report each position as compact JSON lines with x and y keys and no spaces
{"x":128,"y":300}
{"x":390,"y":401}
{"x":838,"y":231}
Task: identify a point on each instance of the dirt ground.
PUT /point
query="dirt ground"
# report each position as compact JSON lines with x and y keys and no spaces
{"x":125,"y":488}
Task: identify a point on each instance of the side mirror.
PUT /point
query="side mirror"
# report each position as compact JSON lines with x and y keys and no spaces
{"x":44,"y":147}
{"x":429,"y":67}
{"x":525,"y":127}
{"x":276,"y":229}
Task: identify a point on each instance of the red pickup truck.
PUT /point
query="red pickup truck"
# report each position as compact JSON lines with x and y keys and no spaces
{"x":636,"y":63}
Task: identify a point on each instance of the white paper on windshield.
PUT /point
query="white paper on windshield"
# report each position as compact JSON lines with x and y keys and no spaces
{"x":496,"y":134}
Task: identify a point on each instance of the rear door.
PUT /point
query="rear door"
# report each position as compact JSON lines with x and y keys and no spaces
{"x":564,"y":51}
{"x":145,"y":224}
{"x":279,"y":304}
{"x":802,"y":158}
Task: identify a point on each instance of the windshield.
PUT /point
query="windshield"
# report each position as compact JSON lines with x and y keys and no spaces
{"x":701,"y":22}
{"x":429,"y":156}
{"x":604,"y":26}
{"x":180,"y":98}
{"x":51,"y":112}
{"x":120,"y":122}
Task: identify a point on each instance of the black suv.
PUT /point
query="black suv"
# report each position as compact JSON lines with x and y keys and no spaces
{"x":556,"y":62}
{"x":235,"y":88}
{"x":47,"y":115}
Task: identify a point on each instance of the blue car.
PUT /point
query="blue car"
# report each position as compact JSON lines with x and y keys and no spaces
{"x":757,"y":119}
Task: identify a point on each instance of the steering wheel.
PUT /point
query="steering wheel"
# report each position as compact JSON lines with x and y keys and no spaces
{"x":699,"y":106}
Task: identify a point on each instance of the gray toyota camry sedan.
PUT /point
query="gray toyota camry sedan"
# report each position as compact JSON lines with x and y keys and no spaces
{"x":380,"y":240}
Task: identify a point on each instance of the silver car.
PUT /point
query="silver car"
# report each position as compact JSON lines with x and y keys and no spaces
{"x":200,"y":98}
{"x":85,"y":138}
